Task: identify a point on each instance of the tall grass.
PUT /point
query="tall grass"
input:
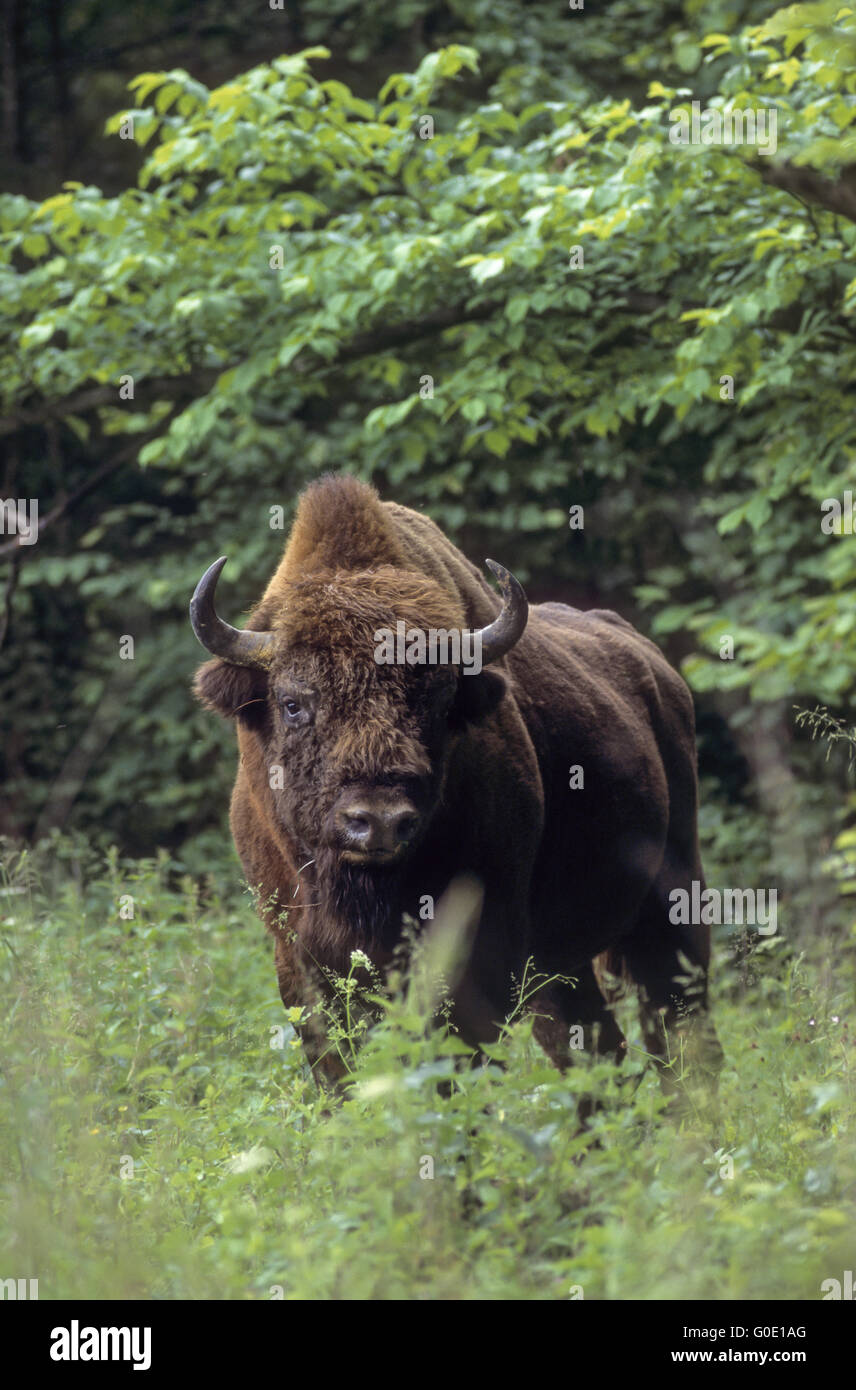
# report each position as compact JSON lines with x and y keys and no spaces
{"x":161,"y":1137}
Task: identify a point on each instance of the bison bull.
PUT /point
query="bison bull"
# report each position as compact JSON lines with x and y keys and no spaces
{"x":397,"y":776}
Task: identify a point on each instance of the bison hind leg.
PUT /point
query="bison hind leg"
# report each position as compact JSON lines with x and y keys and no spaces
{"x":668,"y":963}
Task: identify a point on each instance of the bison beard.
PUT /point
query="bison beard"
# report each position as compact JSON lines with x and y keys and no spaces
{"x":401,"y":779}
{"x":366,"y":904}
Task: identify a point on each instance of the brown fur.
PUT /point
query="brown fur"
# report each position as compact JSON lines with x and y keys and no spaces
{"x":568,"y":874}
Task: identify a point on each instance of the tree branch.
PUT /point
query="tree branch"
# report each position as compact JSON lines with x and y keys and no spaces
{"x":811,"y":187}
{"x":196,"y":383}
{"x":146,"y":393}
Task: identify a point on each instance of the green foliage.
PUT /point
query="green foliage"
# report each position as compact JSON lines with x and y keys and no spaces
{"x":530,"y":307}
{"x":154,"y":1039}
{"x":452,"y":249}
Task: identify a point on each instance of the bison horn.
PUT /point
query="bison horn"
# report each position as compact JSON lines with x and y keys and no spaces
{"x":242,"y":648}
{"x":500,"y":636}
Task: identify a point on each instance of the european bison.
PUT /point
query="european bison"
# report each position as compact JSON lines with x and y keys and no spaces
{"x":367,"y":782}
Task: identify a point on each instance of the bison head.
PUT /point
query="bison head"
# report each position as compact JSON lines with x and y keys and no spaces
{"x":355,"y":748}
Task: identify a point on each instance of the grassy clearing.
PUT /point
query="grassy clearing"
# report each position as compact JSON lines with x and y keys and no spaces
{"x":157,"y":1048}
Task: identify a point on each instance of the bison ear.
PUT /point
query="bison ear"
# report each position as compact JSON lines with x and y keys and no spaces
{"x":234,"y":691}
{"x":477,"y":697}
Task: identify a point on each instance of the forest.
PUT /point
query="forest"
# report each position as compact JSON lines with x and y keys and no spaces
{"x":577,"y":281}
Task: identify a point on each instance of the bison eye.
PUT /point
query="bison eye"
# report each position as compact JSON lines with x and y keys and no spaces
{"x":296,"y":707}
{"x":294,"y":713}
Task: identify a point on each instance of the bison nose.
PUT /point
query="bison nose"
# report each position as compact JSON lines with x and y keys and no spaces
{"x":377,"y":827}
